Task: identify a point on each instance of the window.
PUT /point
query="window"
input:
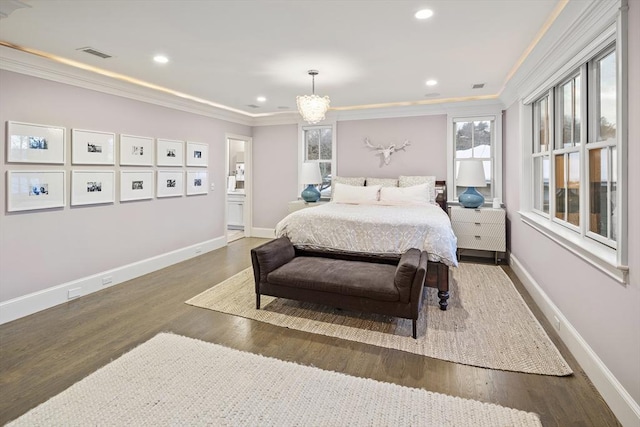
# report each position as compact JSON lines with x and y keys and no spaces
{"x":318,"y":145}
{"x":575,"y":178}
{"x":476,"y":137}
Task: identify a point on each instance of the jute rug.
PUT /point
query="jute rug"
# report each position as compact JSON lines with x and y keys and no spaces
{"x":487,"y":323}
{"x":174,"y":380}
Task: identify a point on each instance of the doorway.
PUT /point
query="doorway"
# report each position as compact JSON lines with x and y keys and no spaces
{"x":238,"y":189}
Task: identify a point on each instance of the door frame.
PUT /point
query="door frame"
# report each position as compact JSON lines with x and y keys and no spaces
{"x":248,"y":182}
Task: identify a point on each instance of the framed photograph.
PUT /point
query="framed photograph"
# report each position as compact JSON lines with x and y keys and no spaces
{"x":169,"y":152}
{"x":29,"y":190}
{"x":90,"y":147}
{"x":136,"y":150}
{"x":136,"y":185}
{"x":92,"y":187}
{"x":32,"y":143}
{"x":197,"y":182}
{"x":197,"y":154}
{"x":170,"y":184}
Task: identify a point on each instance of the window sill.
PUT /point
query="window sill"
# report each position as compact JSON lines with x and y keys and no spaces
{"x":604,"y":259}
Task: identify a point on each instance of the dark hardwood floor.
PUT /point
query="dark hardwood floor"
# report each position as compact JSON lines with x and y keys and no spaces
{"x":43,"y":354}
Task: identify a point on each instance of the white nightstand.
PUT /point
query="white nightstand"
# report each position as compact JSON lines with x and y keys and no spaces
{"x":296,"y":205}
{"x":480,"y":229}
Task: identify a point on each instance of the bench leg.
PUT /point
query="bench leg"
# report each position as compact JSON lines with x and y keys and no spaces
{"x":257,"y":301}
{"x":415,"y":328}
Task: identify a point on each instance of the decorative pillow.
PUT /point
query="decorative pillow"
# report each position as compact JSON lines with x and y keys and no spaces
{"x":418,"y":194}
{"x":385,"y":182}
{"x":344,"y":193}
{"x":410,"y":181}
{"x":355,"y":180}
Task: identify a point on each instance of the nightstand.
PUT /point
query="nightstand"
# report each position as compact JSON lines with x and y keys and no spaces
{"x":480,"y":229}
{"x":296,"y":205}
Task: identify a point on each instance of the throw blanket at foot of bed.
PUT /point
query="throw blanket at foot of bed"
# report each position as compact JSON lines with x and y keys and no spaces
{"x":382,"y":288}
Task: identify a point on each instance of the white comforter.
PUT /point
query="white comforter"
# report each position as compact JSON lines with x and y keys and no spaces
{"x":373,"y":228}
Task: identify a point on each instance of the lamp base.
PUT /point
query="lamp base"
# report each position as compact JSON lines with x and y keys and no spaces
{"x":310,"y":194}
{"x":471,"y":198}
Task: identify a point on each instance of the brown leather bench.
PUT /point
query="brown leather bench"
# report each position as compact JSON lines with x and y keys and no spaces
{"x":382,"y":288}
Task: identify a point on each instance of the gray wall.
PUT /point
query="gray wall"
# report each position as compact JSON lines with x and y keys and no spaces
{"x":41,"y":249}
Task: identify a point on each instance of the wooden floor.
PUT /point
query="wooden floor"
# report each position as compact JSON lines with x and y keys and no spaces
{"x":43,"y":354}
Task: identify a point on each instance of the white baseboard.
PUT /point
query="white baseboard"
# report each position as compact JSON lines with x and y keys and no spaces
{"x":32,"y":303}
{"x":621,"y":403}
{"x":265,"y":233}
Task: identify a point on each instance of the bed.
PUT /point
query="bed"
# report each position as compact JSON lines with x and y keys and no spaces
{"x":382,"y":229}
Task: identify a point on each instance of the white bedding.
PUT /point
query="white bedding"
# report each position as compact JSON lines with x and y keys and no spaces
{"x":373,"y":228}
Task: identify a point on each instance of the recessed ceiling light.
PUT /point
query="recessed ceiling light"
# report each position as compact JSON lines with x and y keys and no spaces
{"x":432,"y":82}
{"x":424,"y":14}
{"x":261,"y":99}
{"x":161,"y":59}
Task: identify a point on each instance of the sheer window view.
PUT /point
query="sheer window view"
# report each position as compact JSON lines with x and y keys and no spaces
{"x":318,"y":148}
{"x":474,"y":140}
{"x":564,"y":178}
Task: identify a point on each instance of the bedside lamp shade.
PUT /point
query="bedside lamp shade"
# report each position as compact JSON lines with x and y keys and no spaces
{"x":471,"y":175}
{"x":310,"y":175}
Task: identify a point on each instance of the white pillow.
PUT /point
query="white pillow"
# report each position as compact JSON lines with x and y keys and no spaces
{"x":410,"y":181}
{"x":344,"y":193}
{"x":417,"y":194}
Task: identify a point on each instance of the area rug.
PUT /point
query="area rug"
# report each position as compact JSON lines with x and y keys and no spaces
{"x":174,"y":380}
{"x":487,"y":323}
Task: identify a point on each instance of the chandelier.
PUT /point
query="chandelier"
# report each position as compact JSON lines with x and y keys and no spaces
{"x":312,"y":107}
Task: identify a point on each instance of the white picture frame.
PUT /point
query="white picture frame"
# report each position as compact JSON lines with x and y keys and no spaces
{"x":170,"y":184}
{"x":136,"y":150}
{"x":197,"y":154}
{"x":136,"y":185}
{"x":92,"y":187}
{"x":89,"y":147}
{"x":31,"y":190}
{"x":169,"y":152}
{"x":197,"y":182}
{"x":34,"y":143}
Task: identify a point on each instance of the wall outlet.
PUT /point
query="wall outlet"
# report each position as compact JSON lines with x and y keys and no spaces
{"x":556,"y":323}
{"x":106,"y":280}
{"x":74,"y":293}
{"x":213,"y":186}
{"x":198,"y":249}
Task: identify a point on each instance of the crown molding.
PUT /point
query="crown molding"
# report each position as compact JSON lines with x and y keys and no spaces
{"x":35,"y":66}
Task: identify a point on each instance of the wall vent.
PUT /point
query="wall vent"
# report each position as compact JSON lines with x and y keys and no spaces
{"x":95,"y":52}
{"x":478,"y":86}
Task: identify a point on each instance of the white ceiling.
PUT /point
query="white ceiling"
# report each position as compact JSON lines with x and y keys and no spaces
{"x":231,"y":52}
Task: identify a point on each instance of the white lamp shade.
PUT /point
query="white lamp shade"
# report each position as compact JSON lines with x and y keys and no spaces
{"x":471,"y":174}
{"x":310,"y":174}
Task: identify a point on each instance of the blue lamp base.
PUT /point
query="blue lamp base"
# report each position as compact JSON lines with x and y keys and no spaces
{"x":470,"y":198}
{"x":310,"y":194}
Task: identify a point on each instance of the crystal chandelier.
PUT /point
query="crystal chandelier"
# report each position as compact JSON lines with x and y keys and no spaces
{"x":312,"y":107}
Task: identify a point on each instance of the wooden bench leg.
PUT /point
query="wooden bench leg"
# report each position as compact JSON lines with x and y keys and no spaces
{"x":415,"y":328}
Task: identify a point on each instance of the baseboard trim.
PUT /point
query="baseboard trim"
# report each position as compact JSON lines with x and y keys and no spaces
{"x":619,"y":400}
{"x":264,"y":233}
{"x":32,"y":303}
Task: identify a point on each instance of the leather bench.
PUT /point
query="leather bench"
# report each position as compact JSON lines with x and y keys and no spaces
{"x":366,"y":286}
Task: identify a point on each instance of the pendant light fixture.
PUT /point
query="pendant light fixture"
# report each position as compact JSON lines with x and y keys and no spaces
{"x":312,"y":108}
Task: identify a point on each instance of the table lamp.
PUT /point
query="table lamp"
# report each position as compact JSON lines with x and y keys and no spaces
{"x":471,"y":175}
{"x":310,"y":175}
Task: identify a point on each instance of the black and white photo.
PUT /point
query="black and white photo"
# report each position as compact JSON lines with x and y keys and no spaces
{"x":91,"y":187}
{"x":169,"y":152}
{"x":30,"y":190}
{"x":94,"y":186}
{"x":33,"y":143}
{"x":94,"y":148}
{"x":39,"y":190}
{"x":38,"y":143}
{"x":90,"y":147}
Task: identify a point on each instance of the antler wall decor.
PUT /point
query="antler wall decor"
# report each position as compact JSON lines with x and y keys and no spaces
{"x":388,"y":151}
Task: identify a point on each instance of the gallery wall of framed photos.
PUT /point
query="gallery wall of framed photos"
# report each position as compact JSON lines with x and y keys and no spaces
{"x":148,"y":167}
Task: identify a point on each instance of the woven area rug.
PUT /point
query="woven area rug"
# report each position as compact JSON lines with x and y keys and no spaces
{"x":174,"y":380}
{"x":487,"y":323}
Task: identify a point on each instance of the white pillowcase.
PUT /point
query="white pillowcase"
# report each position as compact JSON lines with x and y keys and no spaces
{"x":410,"y":181}
{"x":417,"y":194}
{"x":344,"y":193}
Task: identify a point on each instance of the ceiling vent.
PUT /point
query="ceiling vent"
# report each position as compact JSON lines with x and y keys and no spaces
{"x":478,"y":86}
{"x":253,"y":106}
{"x":94,"y":52}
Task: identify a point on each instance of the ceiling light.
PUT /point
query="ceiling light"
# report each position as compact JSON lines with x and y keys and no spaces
{"x":312,"y":107}
{"x":424,"y":14}
{"x":432,"y":82}
{"x":261,"y":99}
{"x":161,"y":59}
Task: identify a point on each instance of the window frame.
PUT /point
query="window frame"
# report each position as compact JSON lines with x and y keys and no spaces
{"x":302,"y":150}
{"x":610,"y":260}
